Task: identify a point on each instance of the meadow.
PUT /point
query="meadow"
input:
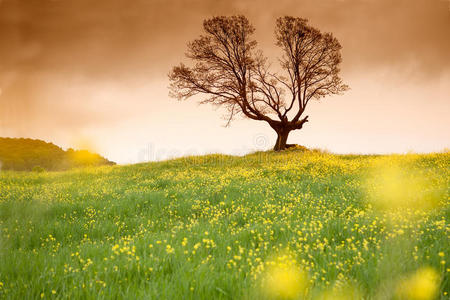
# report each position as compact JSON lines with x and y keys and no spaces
{"x":289,"y":225}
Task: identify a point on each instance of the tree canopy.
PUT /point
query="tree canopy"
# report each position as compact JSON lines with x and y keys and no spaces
{"x":28,"y":154}
{"x":229,"y":71}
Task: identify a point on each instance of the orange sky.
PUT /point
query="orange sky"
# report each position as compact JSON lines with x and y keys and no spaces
{"x":79,"y":72}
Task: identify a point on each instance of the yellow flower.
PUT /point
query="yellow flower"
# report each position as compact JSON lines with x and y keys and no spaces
{"x":422,"y":285}
{"x":394,"y":187}
{"x":284,"y":278}
{"x":169,"y":249}
{"x":285,"y":282}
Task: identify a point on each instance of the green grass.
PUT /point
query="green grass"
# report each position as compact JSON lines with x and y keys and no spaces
{"x":203,"y":227}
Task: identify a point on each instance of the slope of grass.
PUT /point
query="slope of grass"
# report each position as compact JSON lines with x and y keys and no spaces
{"x":222,"y":227}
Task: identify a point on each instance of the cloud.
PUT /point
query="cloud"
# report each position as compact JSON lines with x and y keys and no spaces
{"x":141,"y":38}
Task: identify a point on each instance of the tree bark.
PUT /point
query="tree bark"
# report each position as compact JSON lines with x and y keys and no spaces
{"x":282,"y":136}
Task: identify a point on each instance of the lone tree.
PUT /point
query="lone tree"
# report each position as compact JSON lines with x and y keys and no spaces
{"x":229,"y":71}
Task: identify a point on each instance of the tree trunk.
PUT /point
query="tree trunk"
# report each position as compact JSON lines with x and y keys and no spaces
{"x":281,"y":140}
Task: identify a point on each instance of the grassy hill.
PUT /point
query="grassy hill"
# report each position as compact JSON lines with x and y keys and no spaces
{"x":27,"y":154}
{"x":287,"y":225}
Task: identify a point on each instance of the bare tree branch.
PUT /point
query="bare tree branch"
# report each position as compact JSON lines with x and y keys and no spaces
{"x":229,"y":71}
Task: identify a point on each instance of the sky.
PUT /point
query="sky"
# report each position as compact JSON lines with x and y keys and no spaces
{"x":93,"y":74}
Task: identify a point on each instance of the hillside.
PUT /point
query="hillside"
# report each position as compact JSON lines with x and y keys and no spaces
{"x":289,"y":225}
{"x":25,"y":154}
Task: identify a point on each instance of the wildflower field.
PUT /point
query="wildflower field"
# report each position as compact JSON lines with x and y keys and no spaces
{"x":288,"y":225}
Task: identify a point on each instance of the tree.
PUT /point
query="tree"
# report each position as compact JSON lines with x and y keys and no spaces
{"x":229,"y":71}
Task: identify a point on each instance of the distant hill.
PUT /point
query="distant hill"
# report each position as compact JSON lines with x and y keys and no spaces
{"x":27,"y":154}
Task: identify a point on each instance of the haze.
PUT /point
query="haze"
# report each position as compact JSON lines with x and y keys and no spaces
{"x":93,"y":74}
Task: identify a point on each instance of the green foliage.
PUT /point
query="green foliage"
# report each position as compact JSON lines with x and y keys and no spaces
{"x":206,"y":227}
{"x":26,"y":154}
